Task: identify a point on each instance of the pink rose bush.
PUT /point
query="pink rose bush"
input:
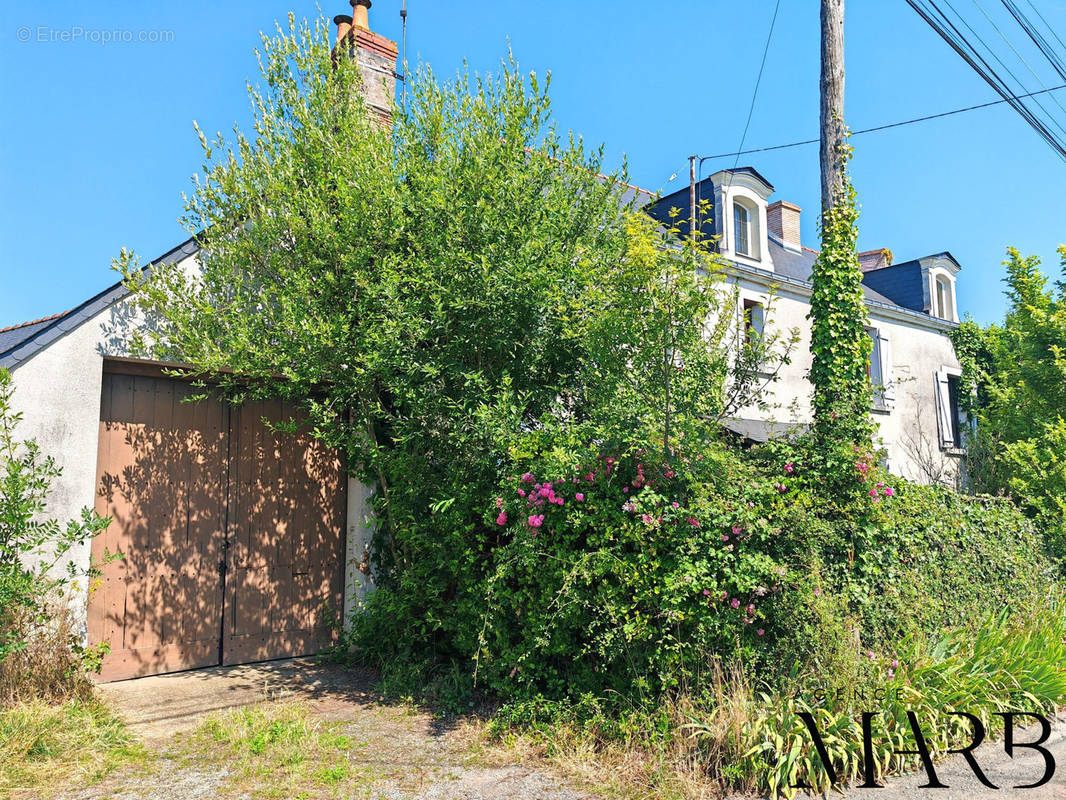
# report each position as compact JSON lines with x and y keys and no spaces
{"x":691,"y":560}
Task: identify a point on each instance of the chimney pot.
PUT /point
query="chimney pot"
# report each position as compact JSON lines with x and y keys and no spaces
{"x":344,"y":26}
{"x":783,"y":221}
{"x":360,"y":17}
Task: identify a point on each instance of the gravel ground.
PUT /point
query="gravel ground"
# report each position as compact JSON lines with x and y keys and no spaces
{"x":408,"y":753}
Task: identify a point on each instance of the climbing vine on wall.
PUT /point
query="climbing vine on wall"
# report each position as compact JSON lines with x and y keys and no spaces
{"x":840,"y":345}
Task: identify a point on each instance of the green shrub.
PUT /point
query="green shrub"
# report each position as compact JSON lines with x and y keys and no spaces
{"x":626,"y":576}
{"x":1017,"y":373}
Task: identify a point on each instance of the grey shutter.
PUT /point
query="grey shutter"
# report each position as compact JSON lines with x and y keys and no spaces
{"x":758,"y":318}
{"x":885,"y":346}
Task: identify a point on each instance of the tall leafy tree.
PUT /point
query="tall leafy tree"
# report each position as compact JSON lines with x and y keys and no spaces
{"x":1017,"y":375}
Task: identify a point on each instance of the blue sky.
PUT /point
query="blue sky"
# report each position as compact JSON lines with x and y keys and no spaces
{"x":98,"y":142}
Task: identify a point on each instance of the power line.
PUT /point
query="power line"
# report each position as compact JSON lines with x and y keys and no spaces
{"x":1037,"y":38}
{"x":1046,"y":23}
{"x":946,"y":29}
{"x":885,"y":127}
{"x":758,"y":80}
{"x":751,"y":109}
{"x":1021,"y":58}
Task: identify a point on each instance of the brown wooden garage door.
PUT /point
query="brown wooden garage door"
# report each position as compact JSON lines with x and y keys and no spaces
{"x":232,"y":535}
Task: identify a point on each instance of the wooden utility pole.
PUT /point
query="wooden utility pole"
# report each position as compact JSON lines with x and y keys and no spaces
{"x":692,"y":197}
{"x":832,"y":107}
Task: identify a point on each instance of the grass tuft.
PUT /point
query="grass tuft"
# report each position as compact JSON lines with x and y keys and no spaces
{"x":76,"y":743}
{"x":278,"y":750}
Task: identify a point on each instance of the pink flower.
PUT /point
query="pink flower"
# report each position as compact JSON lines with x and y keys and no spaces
{"x":781,"y":487}
{"x":790,"y":467}
{"x":625,"y":489}
{"x":579,"y":497}
{"x":629,"y":507}
{"x":669,"y":473}
{"x":725,"y":596}
{"x":736,"y":530}
{"x":676,"y":504}
{"x":895,"y":664}
{"x":760,"y":632}
{"x":590,"y":477}
{"x":695,"y":523}
{"x":536,"y":520}
{"x":734,"y":603}
{"x":873,"y":493}
{"x":817,"y":592}
{"x":891,"y":673}
{"x":706,"y":592}
{"x":889,"y":491}
{"x":751,"y":608}
{"x":502,"y":519}
{"x":521,"y":492}
{"x":725,"y":538}
{"x":499,"y":502}
{"x":870,"y":654}
{"x":527,"y":478}
{"x":646,"y":519}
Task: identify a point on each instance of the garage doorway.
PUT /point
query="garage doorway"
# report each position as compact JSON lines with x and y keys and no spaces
{"x":232,"y":534}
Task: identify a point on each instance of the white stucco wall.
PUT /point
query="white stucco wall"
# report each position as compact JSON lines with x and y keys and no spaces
{"x":58,"y":392}
{"x":918,"y":349}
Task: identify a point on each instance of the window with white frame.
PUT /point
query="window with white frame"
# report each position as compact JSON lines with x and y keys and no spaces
{"x":944,"y":307}
{"x":743,"y":230}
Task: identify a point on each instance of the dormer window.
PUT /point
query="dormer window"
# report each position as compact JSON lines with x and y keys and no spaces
{"x":944,"y":307}
{"x":742,"y":229}
{"x":746,"y":228}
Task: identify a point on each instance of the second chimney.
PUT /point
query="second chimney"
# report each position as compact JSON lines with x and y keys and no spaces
{"x":376,"y":56}
{"x":783,"y":220}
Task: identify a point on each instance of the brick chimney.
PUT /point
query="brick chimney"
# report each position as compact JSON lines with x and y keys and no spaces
{"x":376,"y":56}
{"x":783,"y":220}
{"x":875,"y":259}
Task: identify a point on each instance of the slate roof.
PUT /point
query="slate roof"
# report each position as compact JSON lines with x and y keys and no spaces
{"x":12,"y":336}
{"x":21,"y":342}
{"x":799,"y":266}
{"x":789,"y":263}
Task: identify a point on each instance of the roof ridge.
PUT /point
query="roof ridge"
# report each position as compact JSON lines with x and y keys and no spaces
{"x":49,"y":318}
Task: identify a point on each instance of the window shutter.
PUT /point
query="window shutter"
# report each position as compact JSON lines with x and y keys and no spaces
{"x":885,"y":349}
{"x":757,"y":318}
{"x":943,"y":410}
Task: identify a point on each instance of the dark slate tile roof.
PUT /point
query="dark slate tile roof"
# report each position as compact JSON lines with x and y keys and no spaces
{"x":789,"y":262}
{"x":16,"y":334}
{"x":660,"y":209}
{"x":28,"y":339}
{"x":901,"y":283}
